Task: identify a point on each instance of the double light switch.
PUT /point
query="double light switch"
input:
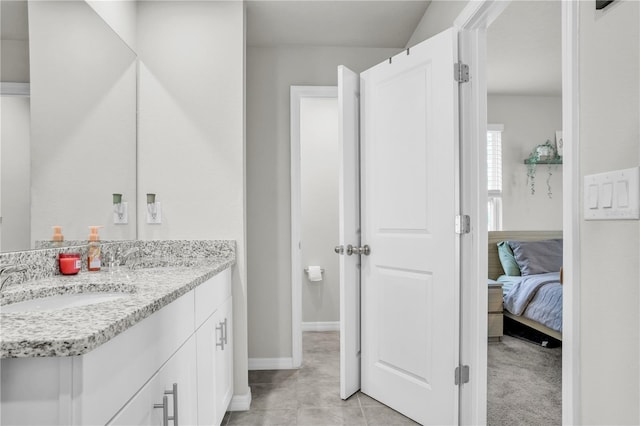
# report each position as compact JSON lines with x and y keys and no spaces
{"x":612,"y":195}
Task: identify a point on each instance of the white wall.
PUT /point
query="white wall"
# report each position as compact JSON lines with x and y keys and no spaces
{"x":439,"y":16}
{"x":191,"y":133}
{"x":83,"y":122}
{"x":14,"y":61}
{"x":120,"y":16}
{"x":15,"y":181}
{"x":528,"y":121}
{"x":610,"y":250}
{"x":271,"y":71}
{"x":319,"y":201}
{"x":14,"y":50}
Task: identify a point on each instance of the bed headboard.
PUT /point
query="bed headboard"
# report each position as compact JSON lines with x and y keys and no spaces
{"x":495,"y":268}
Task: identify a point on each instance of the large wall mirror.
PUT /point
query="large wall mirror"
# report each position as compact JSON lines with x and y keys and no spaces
{"x":71,"y":143}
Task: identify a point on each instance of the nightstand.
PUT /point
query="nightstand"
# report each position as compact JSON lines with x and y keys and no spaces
{"x":495,"y":310}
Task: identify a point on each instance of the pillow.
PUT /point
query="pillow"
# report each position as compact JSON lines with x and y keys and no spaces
{"x":507,"y":260}
{"x":538,"y":257}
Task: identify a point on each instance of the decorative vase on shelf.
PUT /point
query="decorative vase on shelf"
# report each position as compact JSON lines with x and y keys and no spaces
{"x":545,"y":153}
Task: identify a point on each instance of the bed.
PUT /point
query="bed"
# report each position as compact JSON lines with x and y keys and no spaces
{"x":535,"y":299}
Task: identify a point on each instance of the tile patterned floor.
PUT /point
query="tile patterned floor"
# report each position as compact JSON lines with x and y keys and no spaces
{"x":311,"y":395}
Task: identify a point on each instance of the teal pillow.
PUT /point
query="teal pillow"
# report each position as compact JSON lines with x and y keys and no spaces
{"x":508,"y":260}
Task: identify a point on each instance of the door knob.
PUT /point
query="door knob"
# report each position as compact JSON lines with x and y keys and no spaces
{"x":366,"y":250}
{"x":339,"y":249}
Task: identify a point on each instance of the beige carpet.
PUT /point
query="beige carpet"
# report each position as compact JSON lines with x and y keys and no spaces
{"x":524,"y":384}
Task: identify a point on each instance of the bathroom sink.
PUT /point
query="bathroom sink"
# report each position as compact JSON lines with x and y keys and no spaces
{"x":61,"y":301}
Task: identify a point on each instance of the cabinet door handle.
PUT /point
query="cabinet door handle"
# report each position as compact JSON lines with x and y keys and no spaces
{"x":165,"y":410}
{"x":220,"y":342}
{"x":226,"y":333}
{"x":173,"y":392}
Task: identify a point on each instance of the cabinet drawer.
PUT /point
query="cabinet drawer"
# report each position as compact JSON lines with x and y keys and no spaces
{"x":495,"y":325}
{"x":495,"y":299}
{"x":110,"y":374}
{"x":210,"y":294}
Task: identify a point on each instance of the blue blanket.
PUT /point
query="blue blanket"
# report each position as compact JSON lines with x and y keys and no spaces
{"x":537,"y":297}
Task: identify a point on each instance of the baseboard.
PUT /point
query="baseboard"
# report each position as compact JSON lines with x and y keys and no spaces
{"x":321,"y":326}
{"x":270,"y":363}
{"x":240,"y":402}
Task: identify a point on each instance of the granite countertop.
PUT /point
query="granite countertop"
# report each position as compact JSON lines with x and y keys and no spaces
{"x":76,"y":331}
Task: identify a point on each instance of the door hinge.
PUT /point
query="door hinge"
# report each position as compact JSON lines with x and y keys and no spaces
{"x":463,"y":224}
{"x":461,"y":375}
{"x":461,"y":72}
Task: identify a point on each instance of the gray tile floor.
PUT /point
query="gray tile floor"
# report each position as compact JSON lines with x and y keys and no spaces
{"x":311,"y":395}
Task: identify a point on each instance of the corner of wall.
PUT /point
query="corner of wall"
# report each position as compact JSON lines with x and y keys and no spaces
{"x":439,"y":16}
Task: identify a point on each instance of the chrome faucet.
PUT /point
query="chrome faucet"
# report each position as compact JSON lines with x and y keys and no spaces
{"x":127,"y":254}
{"x":6,"y":271}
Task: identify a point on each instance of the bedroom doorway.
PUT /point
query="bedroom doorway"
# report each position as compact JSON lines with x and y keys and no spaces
{"x":525,"y":202}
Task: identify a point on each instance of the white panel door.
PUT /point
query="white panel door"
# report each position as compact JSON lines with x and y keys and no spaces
{"x":410,"y":280}
{"x":349,"y":219}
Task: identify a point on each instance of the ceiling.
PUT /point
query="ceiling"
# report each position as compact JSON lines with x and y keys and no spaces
{"x":523,"y":44}
{"x":523,"y":48}
{"x":333,"y":23}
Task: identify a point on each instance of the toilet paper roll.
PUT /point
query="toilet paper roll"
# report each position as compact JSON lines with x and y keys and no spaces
{"x":315,"y":273}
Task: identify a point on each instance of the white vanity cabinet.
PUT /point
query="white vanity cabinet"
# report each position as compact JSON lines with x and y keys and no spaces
{"x":215,"y":365}
{"x":172,"y":389}
{"x":121,"y":381}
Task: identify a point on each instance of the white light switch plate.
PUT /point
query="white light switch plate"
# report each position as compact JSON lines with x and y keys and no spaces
{"x":612,"y":195}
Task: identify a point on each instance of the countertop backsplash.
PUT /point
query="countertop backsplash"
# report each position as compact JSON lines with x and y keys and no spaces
{"x":43,"y":262}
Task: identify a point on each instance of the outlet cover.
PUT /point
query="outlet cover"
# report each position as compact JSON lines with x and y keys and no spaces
{"x":154,"y":213}
{"x":121,"y":213}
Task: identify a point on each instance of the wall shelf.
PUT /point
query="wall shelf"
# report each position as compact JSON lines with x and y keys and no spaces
{"x":550,"y":161}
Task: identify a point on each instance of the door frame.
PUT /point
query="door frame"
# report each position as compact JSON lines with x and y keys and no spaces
{"x":297,"y":94}
{"x":472,"y":23}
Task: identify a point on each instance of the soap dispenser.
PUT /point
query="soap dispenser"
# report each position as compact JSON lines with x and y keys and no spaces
{"x":57,"y":237}
{"x":93,"y":252}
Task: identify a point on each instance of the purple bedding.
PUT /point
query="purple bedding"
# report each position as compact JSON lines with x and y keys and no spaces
{"x":537,"y":297}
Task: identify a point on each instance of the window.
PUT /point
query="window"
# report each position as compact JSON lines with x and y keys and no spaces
{"x":494,"y":176}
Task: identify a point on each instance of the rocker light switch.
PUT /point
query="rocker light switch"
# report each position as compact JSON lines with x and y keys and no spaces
{"x":612,"y":195}
{"x":622,"y":188}
{"x":607,"y":195}
{"x":592,"y":197}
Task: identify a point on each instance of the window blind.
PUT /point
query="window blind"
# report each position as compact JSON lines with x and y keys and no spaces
{"x":494,"y":159}
{"x":494,"y":176}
